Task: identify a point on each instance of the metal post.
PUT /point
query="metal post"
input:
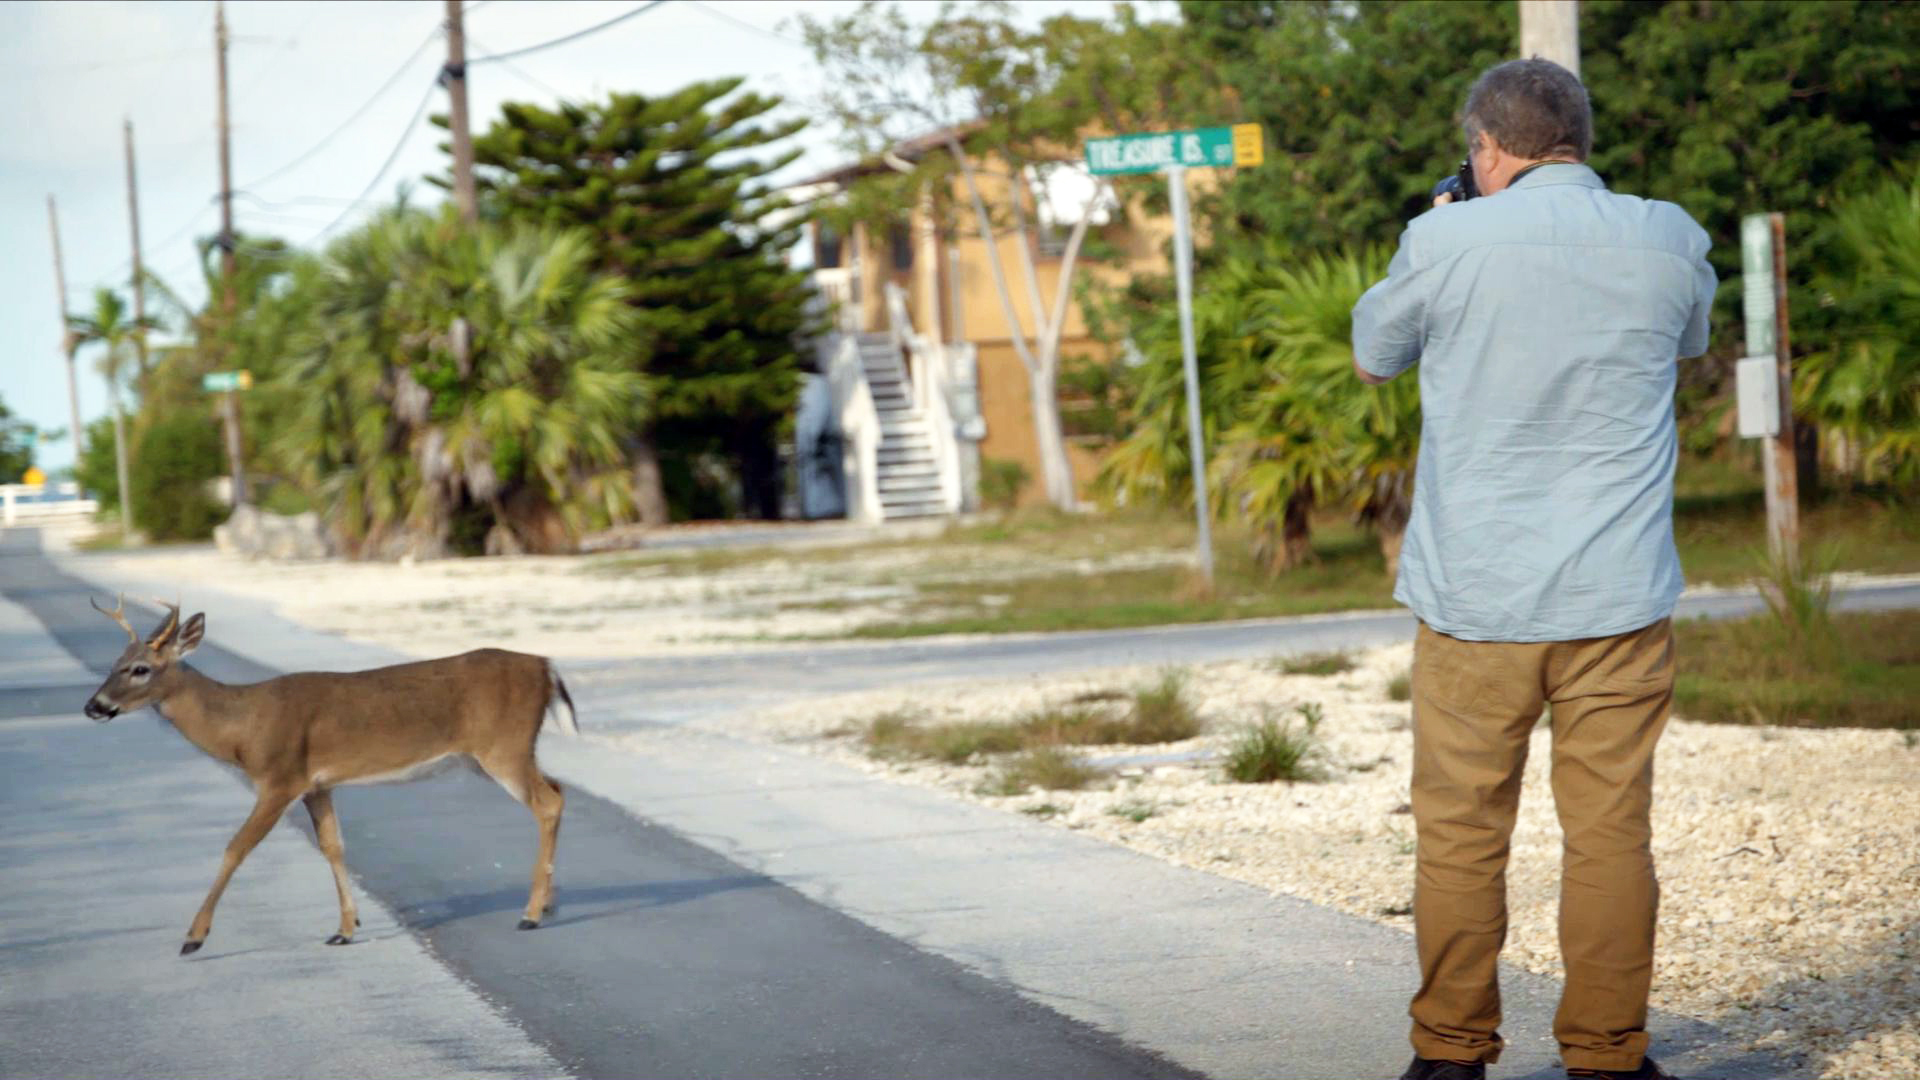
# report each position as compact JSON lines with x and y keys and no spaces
{"x":1196,"y":439}
{"x":66,"y":334}
{"x":455,"y":77}
{"x":1763,"y":246}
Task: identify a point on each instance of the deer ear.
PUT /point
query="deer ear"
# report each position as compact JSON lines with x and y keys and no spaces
{"x":190,"y":635}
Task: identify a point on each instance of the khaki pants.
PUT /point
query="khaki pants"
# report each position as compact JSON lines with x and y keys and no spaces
{"x":1474,"y":705}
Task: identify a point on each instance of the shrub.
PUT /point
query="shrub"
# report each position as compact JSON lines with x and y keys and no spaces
{"x":1162,"y":712}
{"x":177,"y":456}
{"x":1001,"y":483}
{"x":1319,"y":663}
{"x":1276,"y":749}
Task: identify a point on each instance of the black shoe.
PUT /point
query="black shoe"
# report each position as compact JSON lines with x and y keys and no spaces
{"x":1649,"y":1070}
{"x":1429,"y":1069}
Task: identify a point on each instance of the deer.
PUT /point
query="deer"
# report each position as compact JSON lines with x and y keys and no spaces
{"x":299,"y":736}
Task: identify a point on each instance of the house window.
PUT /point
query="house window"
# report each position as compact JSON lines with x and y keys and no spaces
{"x":827,"y":245}
{"x":900,"y":244}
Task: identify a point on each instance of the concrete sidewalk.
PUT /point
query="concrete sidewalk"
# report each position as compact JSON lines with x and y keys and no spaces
{"x":1219,"y":976}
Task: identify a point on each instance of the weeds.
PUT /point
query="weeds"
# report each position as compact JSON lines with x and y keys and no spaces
{"x":1049,"y":768}
{"x":1042,"y":810}
{"x":1163,"y":712}
{"x":1319,"y":663}
{"x":1400,"y":687}
{"x":1276,"y":749}
{"x":1134,"y":810}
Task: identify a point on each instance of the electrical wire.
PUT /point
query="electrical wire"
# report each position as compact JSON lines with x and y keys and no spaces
{"x":487,"y":54}
{"x":575,"y":36}
{"x":738,"y":21}
{"x":349,"y":121}
{"x":393,"y":155}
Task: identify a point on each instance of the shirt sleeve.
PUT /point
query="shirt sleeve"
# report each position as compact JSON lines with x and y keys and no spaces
{"x":1705,"y":283}
{"x":1390,"y":321}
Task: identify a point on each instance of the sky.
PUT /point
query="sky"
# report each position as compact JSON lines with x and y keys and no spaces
{"x":72,"y":71}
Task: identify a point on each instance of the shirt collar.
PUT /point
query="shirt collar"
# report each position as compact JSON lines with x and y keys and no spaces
{"x":1559,"y":173}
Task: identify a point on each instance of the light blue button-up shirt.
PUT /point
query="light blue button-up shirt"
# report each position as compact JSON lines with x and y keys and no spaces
{"x":1547,"y":321}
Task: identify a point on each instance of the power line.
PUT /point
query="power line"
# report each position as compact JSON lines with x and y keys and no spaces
{"x":392,"y":156}
{"x":357,"y":114}
{"x":486,"y":54}
{"x":575,"y":36}
{"x":738,"y":21}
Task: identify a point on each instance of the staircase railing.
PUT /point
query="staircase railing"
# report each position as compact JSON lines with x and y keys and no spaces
{"x":929,"y":378}
{"x":859,"y":423}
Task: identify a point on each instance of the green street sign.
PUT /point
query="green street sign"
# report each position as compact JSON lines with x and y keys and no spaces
{"x":226,"y":380}
{"x":1200,"y":148}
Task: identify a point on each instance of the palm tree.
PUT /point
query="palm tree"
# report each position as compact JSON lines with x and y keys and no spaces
{"x":462,"y":387}
{"x":112,"y":326}
{"x":1865,"y":390}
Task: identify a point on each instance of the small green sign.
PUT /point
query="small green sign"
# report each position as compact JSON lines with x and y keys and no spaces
{"x":1213,"y":147}
{"x":226,"y":380}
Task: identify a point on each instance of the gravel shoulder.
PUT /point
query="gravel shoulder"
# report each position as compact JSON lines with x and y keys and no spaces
{"x":1789,"y":858}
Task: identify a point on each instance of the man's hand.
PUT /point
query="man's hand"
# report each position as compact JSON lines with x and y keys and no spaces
{"x":1442,"y":200}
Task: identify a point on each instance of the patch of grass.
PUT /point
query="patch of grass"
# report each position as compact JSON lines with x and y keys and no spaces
{"x":905,"y":734}
{"x":1134,"y":810}
{"x":1163,"y":712}
{"x":1159,"y":713}
{"x":1049,"y":768}
{"x":1277,"y":749}
{"x":1318,"y":663}
{"x":1868,"y":530}
{"x":1400,"y":687}
{"x":1752,"y":671}
{"x":1043,"y":810}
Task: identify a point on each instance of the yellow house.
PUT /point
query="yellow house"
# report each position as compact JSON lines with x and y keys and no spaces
{"x":922,"y":289}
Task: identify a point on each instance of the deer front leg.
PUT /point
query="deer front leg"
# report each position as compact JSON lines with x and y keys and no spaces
{"x":326,"y":828}
{"x":268,"y":805}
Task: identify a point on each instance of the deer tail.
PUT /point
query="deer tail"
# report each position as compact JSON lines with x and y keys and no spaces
{"x":560,"y":703}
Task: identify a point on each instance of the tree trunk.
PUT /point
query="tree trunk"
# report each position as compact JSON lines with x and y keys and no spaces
{"x":759,"y":474}
{"x":120,"y":468}
{"x":649,"y":488}
{"x":1056,"y":469}
{"x":1296,"y":531}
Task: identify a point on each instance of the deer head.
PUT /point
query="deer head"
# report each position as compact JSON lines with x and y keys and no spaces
{"x":137,"y":677}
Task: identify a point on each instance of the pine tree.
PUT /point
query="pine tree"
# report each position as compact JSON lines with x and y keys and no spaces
{"x":672,"y":190}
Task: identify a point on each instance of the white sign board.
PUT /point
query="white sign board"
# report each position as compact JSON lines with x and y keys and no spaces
{"x":1756,"y":384}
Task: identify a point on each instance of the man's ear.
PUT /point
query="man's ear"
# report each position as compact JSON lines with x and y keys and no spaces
{"x":189,"y":637}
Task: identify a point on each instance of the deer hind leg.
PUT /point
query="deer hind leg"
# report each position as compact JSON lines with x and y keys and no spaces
{"x":326,"y":828}
{"x":538,"y":793}
{"x":268,"y":804}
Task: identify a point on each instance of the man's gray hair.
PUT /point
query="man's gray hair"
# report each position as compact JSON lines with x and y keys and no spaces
{"x":1533,"y":109}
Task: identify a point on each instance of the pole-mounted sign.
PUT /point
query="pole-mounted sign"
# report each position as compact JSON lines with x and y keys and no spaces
{"x":216,"y":381}
{"x":1174,"y":152}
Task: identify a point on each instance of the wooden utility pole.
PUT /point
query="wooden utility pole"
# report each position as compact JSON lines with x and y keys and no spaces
{"x":454,"y":75}
{"x":236,"y":453}
{"x":66,"y":332}
{"x":139,"y":270}
{"x":1550,"y":29}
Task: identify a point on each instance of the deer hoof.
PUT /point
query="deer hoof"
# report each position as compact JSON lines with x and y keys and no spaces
{"x":191,"y":947}
{"x":339,"y":939}
{"x":528,"y":924}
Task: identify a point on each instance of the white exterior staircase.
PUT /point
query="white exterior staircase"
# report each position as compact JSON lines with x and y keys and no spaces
{"x":908,"y":470}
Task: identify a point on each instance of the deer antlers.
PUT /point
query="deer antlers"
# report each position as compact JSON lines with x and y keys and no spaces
{"x":168,"y":626}
{"x":119,"y":615}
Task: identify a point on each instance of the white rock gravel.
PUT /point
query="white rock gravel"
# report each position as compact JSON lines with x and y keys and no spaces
{"x":1789,"y":859}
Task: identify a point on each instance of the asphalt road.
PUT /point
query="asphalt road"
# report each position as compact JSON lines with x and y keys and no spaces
{"x":665,"y":960}
{"x":727,"y":909}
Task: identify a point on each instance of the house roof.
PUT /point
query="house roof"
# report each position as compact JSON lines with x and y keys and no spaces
{"x":911,"y":149}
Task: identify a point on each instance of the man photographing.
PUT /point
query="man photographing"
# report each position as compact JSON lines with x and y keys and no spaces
{"x":1547,"y":315}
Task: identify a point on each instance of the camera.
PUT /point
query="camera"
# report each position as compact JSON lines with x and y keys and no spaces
{"x":1459,"y":185}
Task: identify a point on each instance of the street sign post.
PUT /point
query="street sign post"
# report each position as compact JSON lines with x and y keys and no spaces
{"x":231,"y":383}
{"x":1763,"y":251}
{"x":1174,"y":152}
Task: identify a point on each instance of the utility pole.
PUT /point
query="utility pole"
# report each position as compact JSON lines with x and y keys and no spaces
{"x":454,"y":75}
{"x":1550,"y":29}
{"x":66,"y":331}
{"x":139,"y":271}
{"x":230,"y":407}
